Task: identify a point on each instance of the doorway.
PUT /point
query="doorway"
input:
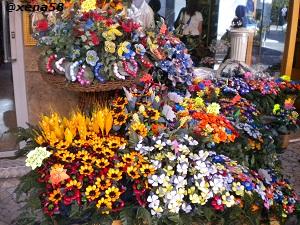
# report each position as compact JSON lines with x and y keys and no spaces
{"x":8,"y":121}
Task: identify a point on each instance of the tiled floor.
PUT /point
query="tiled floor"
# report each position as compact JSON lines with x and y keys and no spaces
{"x":7,"y":109}
{"x":9,"y":208}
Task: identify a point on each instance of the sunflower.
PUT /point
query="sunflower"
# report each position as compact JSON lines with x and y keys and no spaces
{"x":74,"y":183}
{"x":113,"y":194}
{"x":147,"y":170}
{"x":92,"y":192}
{"x":132,"y":172}
{"x":104,"y":204}
{"x":102,"y":163}
{"x":81,"y":154}
{"x":120,"y":119}
{"x":140,"y":129}
{"x":114,"y":174}
{"x":86,"y":170}
{"x":55,"y":196}
{"x":68,"y":157}
{"x":120,"y":102}
{"x":152,"y":114}
{"x":128,"y":158}
{"x":103,"y":183}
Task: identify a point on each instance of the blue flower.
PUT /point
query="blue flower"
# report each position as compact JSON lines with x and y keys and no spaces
{"x":218,"y":159}
{"x":89,"y":24}
{"x":248,"y":186}
{"x":179,"y":107}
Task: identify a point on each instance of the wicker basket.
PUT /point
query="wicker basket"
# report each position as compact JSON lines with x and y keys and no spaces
{"x":60,"y":81}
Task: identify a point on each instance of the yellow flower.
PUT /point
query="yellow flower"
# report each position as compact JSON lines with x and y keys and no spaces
{"x":114,"y":174}
{"x":103,"y":183}
{"x":147,"y":170}
{"x":213,"y":108}
{"x":88,"y":5}
{"x":86,"y":170}
{"x":55,"y":196}
{"x":39,"y":140}
{"x":120,"y":119}
{"x":68,"y":157}
{"x":199,"y":102}
{"x":88,"y":159}
{"x":108,"y":153}
{"x":74,"y":183}
{"x":128,"y":158}
{"x":112,"y":194}
{"x":238,"y":188}
{"x":152,"y":114}
{"x":104,"y":204}
{"x":133,"y":172}
{"x":169,"y":170}
{"x":276,"y":108}
{"x":81,"y":154}
{"x":140,"y":129}
{"x":123,"y":48}
{"x":102,"y":163}
{"x":286,"y":78}
{"x":92,"y":192}
{"x":110,"y":47}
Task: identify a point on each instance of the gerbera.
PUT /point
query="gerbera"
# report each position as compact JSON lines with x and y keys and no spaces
{"x":114,"y":174}
{"x":103,"y":183}
{"x":112,"y":194}
{"x":140,"y":129}
{"x":92,"y":192}
{"x":133,"y":172}
{"x":120,"y":119}
{"x":147,"y":170}
{"x":152,"y":114}
{"x":55,"y":196}
{"x":104,"y":204}
{"x":102,"y":163}
{"x":86,"y":170}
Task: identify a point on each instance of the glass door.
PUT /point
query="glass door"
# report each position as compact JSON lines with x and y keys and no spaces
{"x":7,"y":103}
{"x":271,"y":19}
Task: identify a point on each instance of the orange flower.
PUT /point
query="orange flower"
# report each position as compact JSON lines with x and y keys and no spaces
{"x":147,"y":78}
{"x":157,"y":128}
{"x":58,"y":174}
{"x":55,"y":196}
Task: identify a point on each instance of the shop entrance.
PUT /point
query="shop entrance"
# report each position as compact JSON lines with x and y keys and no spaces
{"x":7,"y":103}
{"x":271,"y":19}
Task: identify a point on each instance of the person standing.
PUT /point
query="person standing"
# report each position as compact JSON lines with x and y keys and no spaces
{"x":142,"y":13}
{"x":156,"y":6}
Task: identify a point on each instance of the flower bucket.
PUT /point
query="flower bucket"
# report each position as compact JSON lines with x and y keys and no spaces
{"x":284,"y":141}
{"x":117,"y":222}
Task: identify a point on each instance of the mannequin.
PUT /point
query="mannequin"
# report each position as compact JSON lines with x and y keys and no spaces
{"x":142,"y":13}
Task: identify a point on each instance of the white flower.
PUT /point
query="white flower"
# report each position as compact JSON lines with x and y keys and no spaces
{"x":184,"y":149}
{"x":168,"y":113}
{"x":35,"y":157}
{"x":173,"y":96}
{"x":201,"y":167}
{"x":135,"y":118}
{"x":186,"y":207}
{"x":153,"y":180}
{"x":174,"y":207}
{"x":156,"y":164}
{"x":182,"y":168}
{"x":180,"y":182}
{"x":153,"y":200}
{"x":190,"y":140}
{"x":159,"y":145}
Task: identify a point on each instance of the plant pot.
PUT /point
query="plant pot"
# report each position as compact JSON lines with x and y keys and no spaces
{"x":117,"y":222}
{"x":284,"y":141}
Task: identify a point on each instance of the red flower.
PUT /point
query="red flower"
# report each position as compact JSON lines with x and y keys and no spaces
{"x":42,"y":25}
{"x":70,"y":195}
{"x":217,"y":203}
{"x":97,"y":17}
{"x":109,"y":22}
{"x":147,"y":78}
{"x":50,"y":208}
{"x":95,"y":39}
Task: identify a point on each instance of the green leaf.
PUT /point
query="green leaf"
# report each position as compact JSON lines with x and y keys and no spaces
{"x":145,"y":215}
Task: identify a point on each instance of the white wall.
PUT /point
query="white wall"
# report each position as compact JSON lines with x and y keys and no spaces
{"x":226,"y":14}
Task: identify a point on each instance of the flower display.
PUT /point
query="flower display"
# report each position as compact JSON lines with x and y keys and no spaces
{"x":35,"y":157}
{"x":94,"y":44}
